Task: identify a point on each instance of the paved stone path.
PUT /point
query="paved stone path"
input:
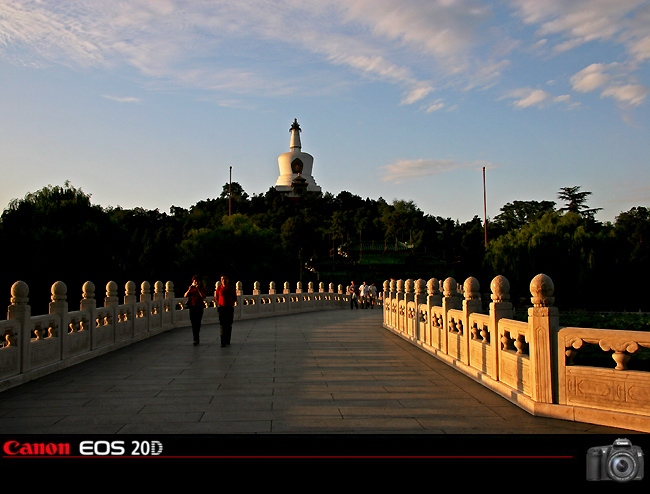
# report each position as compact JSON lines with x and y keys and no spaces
{"x":322,"y":372}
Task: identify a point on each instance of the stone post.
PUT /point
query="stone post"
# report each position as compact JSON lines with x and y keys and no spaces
{"x":450,"y":300}
{"x":21,"y":311}
{"x":385,"y":302}
{"x":170,"y":295}
{"x":310,"y":287}
{"x":129,"y":293}
{"x":158,"y":291}
{"x":145,"y":292}
{"x":111,"y":299}
{"x":419,"y":298}
{"x":471,"y":303}
{"x":257,"y":288}
{"x":321,"y":287}
{"x":401,"y":313}
{"x":543,"y":326}
{"x":88,"y":303}
{"x":272,"y":288}
{"x":330,"y":288}
{"x":299,"y":287}
{"x":287,"y":289}
{"x":340,"y":289}
{"x":59,"y":306}
{"x":409,"y":297}
{"x":239,"y":288}
{"x":500,"y":308}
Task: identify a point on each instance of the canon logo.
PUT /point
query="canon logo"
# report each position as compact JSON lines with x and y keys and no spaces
{"x":15,"y":448}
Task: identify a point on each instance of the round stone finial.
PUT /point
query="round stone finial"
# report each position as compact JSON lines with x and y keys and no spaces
{"x":145,"y":287}
{"x":400,"y":286}
{"x":500,"y":287}
{"x":433,"y":286}
{"x":129,"y":287}
{"x":257,"y":286}
{"x":19,"y":293}
{"x":169,"y":286}
{"x":541,"y":289}
{"x":272,"y":285}
{"x":59,"y":292}
{"x":450,"y":287}
{"x":158,"y":287}
{"x":408,"y":286}
{"x":386,"y":286}
{"x":88,"y":290}
{"x":420,"y":286}
{"x":287,"y":286}
{"x":472,"y":289}
{"x":239,"y":286}
{"x":111,"y":289}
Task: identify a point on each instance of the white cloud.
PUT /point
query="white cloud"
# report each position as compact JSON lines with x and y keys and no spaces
{"x":435,"y":106}
{"x":578,"y":21}
{"x":590,"y":78}
{"x":416,"y":94}
{"x":122,"y":99}
{"x":628,"y":95}
{"x":526,"y":97}
{"x":402,"y":170}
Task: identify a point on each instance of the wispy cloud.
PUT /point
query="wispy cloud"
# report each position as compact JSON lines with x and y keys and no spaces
{"x":256,"y":47}
{"x":402,"y":170}
{"x":122,"y":99}
{"x":595,"y":76}
{"x":527,"y":97}
{"x":628,"y":95}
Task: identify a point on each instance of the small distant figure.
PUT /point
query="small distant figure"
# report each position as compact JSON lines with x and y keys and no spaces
{"x":196,"y":303}
{"x":363,"y":295}
{"x":225,"y":296}
{"x":352,"y":291}
{"x":373,"y":295}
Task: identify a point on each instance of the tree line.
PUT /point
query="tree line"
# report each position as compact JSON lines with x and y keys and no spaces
{"x":56,"y":233}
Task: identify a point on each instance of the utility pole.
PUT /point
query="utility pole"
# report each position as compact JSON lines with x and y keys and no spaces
{"x":484,"y":210}
{"x":230,"y":192}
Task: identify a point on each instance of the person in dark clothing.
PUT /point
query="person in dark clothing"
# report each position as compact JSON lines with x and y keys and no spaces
{"x":195,"y":301}
{"x":353,"y":292}
{"x":225,"y":296}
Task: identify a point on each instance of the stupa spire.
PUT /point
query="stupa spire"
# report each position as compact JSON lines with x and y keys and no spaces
{"x":295,"y":135}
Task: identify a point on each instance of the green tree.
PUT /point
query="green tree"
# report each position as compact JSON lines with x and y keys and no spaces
{"x":516,"y":214}
{"x":576,"y":201}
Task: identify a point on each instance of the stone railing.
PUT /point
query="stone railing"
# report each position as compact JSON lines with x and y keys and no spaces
{"x":529,"y":363}
{"x":33,"y":346}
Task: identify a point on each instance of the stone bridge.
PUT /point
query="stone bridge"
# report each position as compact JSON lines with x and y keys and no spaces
{"x":422,"y":361}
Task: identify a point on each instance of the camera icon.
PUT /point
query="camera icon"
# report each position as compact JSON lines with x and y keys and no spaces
{"x":620,"y":462}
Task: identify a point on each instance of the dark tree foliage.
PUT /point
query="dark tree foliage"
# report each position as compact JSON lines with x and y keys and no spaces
{"x":57,"y":234}
{"x":576,"y":201}
{"x":517,"y":214}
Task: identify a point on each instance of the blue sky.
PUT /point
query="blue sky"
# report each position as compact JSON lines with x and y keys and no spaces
{"x":148,"y":102}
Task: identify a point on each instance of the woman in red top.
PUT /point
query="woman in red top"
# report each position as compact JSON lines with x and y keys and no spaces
{"x":195,"y":301}
{"x":225,"y":296}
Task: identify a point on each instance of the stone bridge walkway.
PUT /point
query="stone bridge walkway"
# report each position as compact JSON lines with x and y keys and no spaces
{"x":323,"y":372}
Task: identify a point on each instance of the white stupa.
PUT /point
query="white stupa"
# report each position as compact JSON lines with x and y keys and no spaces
{"x":296,"y":167}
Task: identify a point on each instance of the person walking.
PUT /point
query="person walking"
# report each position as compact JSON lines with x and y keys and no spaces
{"x":373,"y":295}
{"x":225,"y":296}
{"x":363,"y":295}
{"x":352,"y":291}
{"x":195,"y":301}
